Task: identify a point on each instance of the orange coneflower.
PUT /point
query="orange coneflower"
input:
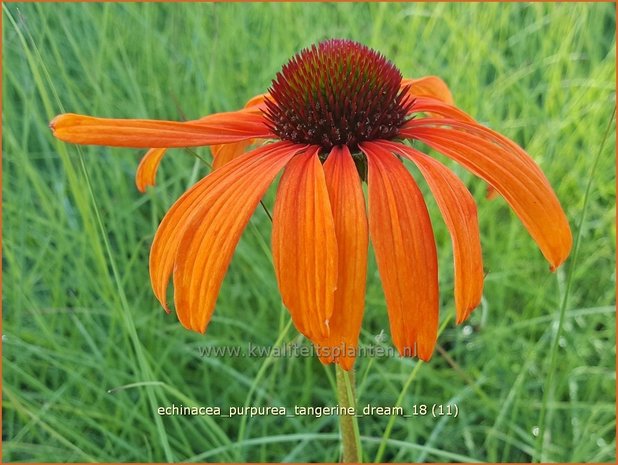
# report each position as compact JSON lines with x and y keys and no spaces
{"x":336,"y":115}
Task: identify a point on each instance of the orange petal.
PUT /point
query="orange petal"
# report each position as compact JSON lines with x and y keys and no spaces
{"x":348,"y":204}
{"x":147,"y":169}
{"x":435,"y":107}
{"x":459,"y":211}
{"x":429,"y":86}
{"x":405,"y":251}
{"x":220,"y":128}
{"x":192,"y":203}
{"x":304,"y":245}
{"x":510,"y":170}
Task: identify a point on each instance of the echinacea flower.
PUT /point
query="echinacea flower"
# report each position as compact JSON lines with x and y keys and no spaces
{"x":338,"y":114}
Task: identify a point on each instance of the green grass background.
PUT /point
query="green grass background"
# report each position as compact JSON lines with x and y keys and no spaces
{"x":88,"y":355}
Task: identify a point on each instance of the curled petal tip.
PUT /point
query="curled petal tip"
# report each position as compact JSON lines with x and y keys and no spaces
{"x":147,"y":169}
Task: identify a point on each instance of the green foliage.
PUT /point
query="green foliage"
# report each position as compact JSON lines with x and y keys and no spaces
{"x":88,"y":355}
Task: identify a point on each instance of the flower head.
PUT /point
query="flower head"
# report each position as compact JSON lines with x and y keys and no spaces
{"x":336,"y":110}
{"x":337,"y":93}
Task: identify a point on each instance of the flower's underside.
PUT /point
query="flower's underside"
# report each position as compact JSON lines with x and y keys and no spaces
{"x":331,"y":106}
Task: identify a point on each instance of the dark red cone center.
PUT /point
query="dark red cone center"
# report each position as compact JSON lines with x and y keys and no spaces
{"x":338,"y":92}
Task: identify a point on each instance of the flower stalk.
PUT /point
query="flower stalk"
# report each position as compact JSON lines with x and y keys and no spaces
{"x":350,"y":437}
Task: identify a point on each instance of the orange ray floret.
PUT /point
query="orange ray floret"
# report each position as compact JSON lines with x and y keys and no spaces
{"x":349,"y":213}
{"x":405,"y":250}
{"x":219,"y":128}
{"x":459,"y":211}
{"x":305,"y":246}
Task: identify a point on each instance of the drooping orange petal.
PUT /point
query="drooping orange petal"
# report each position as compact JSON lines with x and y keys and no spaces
{"x":147,"y":169}
{"x":435,"y":107}
{"x":510,"y":170}
{"x":220,"y":128}
{"x":191,"y":204}
{"x":348,"y":205}
{"x":459,"y":211}
{"x":405,"y":251}
{"x":304,"y":245}
{"x":429,"y":86}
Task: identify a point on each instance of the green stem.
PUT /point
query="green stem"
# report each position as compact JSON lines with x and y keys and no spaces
{"x":350,"y":436}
